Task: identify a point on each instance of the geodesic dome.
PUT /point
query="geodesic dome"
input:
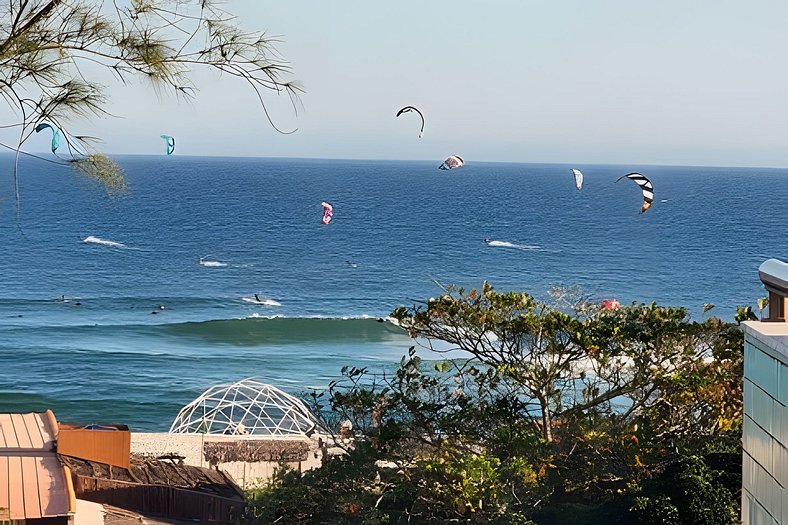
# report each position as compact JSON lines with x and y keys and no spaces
{"x":246,"y":407}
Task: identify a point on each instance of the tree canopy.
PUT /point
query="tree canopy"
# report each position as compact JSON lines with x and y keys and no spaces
{"x":46,"y":44}
{"x":541,"y":403}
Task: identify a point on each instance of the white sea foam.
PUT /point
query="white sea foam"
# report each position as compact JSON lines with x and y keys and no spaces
{"x":212,"y":264}
{"x":95,"y":240}
{"x":362,"y":317}
{"x":507,"y":244}
{"x":264,"y":301}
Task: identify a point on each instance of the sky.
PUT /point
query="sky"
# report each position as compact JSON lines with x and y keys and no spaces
{"x":565,"y":81}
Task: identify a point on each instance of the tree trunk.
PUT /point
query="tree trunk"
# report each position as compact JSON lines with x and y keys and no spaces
{"x":547,"y":421}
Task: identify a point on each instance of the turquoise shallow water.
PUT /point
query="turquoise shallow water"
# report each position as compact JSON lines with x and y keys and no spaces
{"x":397,"y":226}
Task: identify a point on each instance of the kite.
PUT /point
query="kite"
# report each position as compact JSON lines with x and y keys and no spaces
{"x":578,"y":178}
{"x":453,"y":162}
{"x":411,"y":108}
{"x":328,"y":212}
{"x":645,"y":185}
{"x":170,"y":144}
{"x":55,"y":135}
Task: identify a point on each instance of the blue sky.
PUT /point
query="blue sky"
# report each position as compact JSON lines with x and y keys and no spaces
{"x":576,"y":81}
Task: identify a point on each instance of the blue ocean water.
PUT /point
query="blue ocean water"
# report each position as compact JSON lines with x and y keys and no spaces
{"x":111,"y":354}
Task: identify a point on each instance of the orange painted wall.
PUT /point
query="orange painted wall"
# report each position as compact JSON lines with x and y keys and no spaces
{"x":104,"y":446}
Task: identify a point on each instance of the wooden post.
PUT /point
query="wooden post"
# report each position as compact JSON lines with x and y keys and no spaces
{"x":778,"y":305}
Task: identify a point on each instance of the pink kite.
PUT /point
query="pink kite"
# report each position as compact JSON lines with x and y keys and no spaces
{"x":328,"y":212}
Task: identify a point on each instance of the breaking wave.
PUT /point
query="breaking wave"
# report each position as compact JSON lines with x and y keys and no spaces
{"x":255,"y":330}
{"x":286,"y":330}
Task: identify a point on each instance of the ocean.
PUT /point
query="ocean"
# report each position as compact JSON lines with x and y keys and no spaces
{"x":201,"y":236}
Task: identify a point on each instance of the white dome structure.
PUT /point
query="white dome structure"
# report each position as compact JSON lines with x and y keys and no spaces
{"x":246,"y":407}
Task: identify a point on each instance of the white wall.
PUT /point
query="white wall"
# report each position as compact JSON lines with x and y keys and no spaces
{"x":190,"y":446}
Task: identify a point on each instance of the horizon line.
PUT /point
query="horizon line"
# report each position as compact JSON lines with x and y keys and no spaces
{"x":42,"y":154}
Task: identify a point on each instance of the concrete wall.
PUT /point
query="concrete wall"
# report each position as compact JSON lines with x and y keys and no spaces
{"x":765,"y":436}
{"x":190,"y":446}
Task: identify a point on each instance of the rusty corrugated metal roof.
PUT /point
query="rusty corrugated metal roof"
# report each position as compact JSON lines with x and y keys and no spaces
{"x":28,"y":432}
{"x":33,"y":482}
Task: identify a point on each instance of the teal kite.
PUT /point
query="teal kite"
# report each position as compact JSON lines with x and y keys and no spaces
{"x":55,"y":135}
{"x":170,"y":144}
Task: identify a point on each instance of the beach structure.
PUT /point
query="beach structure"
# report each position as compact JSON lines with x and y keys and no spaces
{"x":107,"y":443}
{"x":103,"y":472}
{"x":56,"y":473}
{"x":247,"y":428}
{"x":35,"y":486}
{"x":765,"y":435}
{"x":154,"y":487}
{"x":246,"y":407}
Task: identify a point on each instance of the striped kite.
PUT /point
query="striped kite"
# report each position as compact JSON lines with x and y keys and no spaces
{"x":578,"y":178}
{"x":328,"y":212}
{"x":170,"y":144}
{"x":411,"y":108}
{"x":453,"y":162}
{"x":645,"y":185}
{"x":55,"y":134}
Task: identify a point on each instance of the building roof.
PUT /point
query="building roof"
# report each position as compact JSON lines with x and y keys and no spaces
{"x":157,"y":472}
{"x":33,"y":482}
{"x":24,"y":433}
{"x":774,"y":276}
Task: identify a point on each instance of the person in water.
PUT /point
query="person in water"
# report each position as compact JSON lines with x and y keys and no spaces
{"x":257,"y":298}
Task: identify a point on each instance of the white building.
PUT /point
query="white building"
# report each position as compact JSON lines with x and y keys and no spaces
{"x":765,"y":437}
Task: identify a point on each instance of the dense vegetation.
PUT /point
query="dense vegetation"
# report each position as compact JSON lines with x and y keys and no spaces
{"x":562,"y":411}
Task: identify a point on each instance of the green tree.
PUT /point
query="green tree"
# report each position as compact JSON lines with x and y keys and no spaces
{"x":689,"y":492}
{"x":574,"y":361}
{"x":560,"y":404}
{"x":46,"y":44}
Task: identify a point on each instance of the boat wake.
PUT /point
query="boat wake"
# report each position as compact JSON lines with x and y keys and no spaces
{"x":263,"y":301}
{"x":212,"y":264}
{"x":96,"y":240}
{"x":507,"y":244}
